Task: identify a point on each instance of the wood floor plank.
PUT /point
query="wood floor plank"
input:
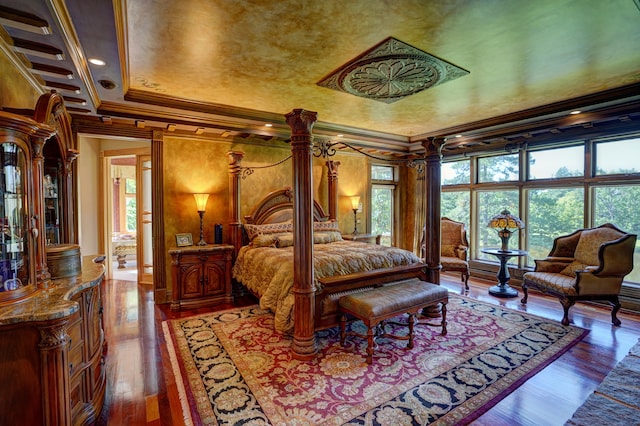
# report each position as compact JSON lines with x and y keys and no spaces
{"x":139,"y":373}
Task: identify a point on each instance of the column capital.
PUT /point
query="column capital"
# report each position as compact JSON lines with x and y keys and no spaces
{"x":301,"y":122}
{"x":433,"y":145}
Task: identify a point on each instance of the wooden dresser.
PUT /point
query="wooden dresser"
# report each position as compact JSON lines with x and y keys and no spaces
{"x":201,"y":275}
{"x":51,"y":361}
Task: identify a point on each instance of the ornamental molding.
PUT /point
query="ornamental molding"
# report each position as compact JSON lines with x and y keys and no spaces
{"x":391,"y":71}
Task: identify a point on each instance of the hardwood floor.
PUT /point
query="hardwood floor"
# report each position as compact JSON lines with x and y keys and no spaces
{"x":141,"y":389}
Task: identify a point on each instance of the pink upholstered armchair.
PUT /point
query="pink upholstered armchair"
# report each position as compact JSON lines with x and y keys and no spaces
{"x":589,"y":264}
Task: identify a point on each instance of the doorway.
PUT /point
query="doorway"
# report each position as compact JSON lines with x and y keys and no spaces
{"x":128,"y":215}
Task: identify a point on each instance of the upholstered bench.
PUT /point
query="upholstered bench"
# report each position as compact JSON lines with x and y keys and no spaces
{"x":374,"y":307}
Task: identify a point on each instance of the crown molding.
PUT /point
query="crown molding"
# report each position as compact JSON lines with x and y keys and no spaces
{"x":60,"y":13}
{"x":542,"y":116}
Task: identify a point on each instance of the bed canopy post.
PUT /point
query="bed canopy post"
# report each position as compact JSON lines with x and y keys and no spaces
{"x":235,"y":225}
{"x":433,"y":159}
{"x":301,"y":122}
{"x":332,"y":177}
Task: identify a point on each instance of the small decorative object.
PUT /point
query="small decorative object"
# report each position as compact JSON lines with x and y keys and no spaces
{"x":355,"y":205}
{"x":217,"y":232}
{"x":201,"y":204}
{"x":184,"y":240}
{"x":505,"y":222}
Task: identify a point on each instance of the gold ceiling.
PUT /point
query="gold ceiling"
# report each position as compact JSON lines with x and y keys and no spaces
{"x":232,"y":65}
{"x":268,"y":55}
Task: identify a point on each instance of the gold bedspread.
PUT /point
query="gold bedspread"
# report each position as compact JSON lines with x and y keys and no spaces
{"x":268,"y":271}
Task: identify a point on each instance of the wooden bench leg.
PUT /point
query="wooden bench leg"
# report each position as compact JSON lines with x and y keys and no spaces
{"x":343,"y":329}
{"x":370,"y":342}
{"x":412,"y":319}
{"x":444,"y":319}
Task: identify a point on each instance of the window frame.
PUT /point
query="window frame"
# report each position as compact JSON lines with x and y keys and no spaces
{"x":391,"y":183}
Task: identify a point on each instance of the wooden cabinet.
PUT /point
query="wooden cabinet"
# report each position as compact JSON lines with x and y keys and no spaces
{"x":86,"y":358}
{"x":53,"y":374}
{"x":51,"y":338}
{"x":201,"y":275}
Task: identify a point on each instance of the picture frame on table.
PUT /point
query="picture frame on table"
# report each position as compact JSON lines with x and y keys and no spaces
{"x":184,"y":240}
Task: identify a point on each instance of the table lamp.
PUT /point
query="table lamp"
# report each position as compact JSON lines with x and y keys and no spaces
{"x":201,"y":204}
{"x":355,"y":205}
{"x":505,"y":222}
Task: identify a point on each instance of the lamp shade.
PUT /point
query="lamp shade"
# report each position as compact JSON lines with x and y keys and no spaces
{"x":201,"y":201}
{"x":355,"y":202}
{"x":505,"y":220}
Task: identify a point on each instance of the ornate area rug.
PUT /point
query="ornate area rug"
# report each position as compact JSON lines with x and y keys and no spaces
{"x":237,"y":370}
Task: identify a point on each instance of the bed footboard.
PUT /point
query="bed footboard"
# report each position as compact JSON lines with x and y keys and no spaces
{"x":327,"y":312}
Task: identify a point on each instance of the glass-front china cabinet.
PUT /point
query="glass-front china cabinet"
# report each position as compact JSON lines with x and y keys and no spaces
{"x":50,"y":298}
{"x":19,"y":236}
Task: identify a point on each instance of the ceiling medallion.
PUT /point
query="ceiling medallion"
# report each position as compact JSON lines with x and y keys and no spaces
{"x":390,"y":71}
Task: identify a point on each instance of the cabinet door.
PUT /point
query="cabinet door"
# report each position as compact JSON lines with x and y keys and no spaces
{"x":94,"y":320}
{"x":191,"y":281}
{"x":214,"y":280}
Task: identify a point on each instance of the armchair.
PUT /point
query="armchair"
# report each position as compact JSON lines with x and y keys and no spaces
{"x":453,"y":248}
{"x":589,"y":264}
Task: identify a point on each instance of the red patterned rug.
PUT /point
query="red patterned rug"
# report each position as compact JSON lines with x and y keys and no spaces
{"x":237,"y":370}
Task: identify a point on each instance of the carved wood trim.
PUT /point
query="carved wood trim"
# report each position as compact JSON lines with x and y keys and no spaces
{"x":332,"y":178}
{"x":54,"y":359}
{"x":433,"y":160}
{"x":158,"y":234}
{"x":235,"y":225}
{"x":301,"y":122}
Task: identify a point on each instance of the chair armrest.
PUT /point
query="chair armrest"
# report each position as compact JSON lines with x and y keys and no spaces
{"x":461,"y":252}
{"x":588,"y":283}
{"x":552,"y":264}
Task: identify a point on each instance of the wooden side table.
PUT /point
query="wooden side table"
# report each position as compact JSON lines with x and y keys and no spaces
{"x":365,"y":238}
{"x":201,"y":275}
{"x":503,"y":289}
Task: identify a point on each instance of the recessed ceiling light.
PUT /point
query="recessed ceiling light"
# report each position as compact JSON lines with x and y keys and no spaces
{"x":575,"y":112}
{"x":268,"y":124}
{"x":339,"y":136}
{"x":96,"y":61}
{"x":458,"y":136}
{"x":107,"y":84}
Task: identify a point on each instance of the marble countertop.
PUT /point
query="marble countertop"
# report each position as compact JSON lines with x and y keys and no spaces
{"x":55,"y":301}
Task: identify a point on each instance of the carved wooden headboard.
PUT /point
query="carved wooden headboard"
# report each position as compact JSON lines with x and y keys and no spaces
{"x":277,"y":207}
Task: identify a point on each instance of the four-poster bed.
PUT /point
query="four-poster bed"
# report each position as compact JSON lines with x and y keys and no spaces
{"x":265,"y":265}
{"x":306,"y":318}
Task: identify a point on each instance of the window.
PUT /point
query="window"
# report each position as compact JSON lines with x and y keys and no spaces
{"x":556,"y":163}
{"x":385,"y":173}
{"x":383,"y":202}
{"x":499,"y":168}
{"x":130,"y":214}
{"x":552,"y":212}
{"x":456,"y":172}
{"x":382,"y":212}
{"x":617,"y":157}
{"x":619,"y":205}
{"x":456,"y":205}
{"x":585,"y":184}
{"x":491,"y":203}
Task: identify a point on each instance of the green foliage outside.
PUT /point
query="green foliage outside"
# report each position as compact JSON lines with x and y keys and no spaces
{"x":131,"y":214}
{"x":382,"y":212}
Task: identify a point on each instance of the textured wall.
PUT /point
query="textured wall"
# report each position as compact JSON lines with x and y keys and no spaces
{"x":15,"y":91}
{"x":201,"y":165}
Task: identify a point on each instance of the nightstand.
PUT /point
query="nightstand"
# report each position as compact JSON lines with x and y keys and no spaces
{"x":364,"y":238}
{"x":201,"y":275}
